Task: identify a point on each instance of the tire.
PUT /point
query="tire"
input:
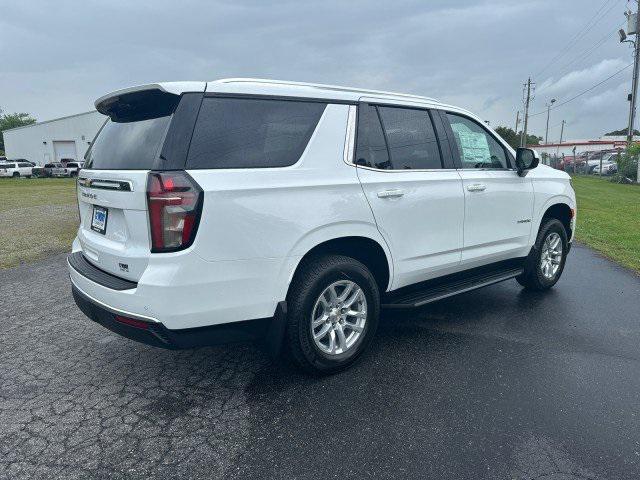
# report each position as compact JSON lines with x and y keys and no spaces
{"x":315,"y":278}
{"x":16,"y":174}
{"x":28,"y":176}
{"x":535,"y":277}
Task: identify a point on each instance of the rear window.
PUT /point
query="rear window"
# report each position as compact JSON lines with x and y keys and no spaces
{"x":252,"y":133}
{"x":127,"y":145}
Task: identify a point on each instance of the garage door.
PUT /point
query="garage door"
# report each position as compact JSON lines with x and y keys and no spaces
{"x":64,"y":150}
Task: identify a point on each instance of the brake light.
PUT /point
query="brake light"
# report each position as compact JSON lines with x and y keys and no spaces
{"x":175,"y":202}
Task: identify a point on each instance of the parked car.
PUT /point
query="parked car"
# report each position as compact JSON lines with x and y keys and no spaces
{"x":608,"y":168}
{"x":294,"y":212}
{"x":15,"y":169}
{"x":46,"y":170}
{"x":69,"y":169}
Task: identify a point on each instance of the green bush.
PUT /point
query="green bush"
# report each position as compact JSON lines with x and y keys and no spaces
{"x":627,"y":165}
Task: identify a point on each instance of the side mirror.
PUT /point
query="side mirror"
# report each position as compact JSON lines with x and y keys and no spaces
{"x":526,"y":159}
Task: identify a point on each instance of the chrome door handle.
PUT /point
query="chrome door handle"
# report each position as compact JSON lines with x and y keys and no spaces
{"x":390,"y":193}
{"x":476,"y":187}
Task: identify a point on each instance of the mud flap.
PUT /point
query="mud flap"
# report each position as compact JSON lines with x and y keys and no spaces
{"x":275,"y":331}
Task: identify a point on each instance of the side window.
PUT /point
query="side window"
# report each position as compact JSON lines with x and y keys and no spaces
{"x":252,"y":133}
{"x":371,"y":150}
{"x":411,"y":137}
{"x":24,"y":165}
{"x":477,"y":147}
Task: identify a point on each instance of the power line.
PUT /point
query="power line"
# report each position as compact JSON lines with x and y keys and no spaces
{"x":584,"y":91}
{"x":584,"y":55}
{"x":581,"y":33}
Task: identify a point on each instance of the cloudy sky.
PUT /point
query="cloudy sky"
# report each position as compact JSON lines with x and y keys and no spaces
{"x":57,"y":57}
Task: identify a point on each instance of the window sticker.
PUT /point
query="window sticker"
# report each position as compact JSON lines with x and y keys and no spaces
{"x":474,"y":145}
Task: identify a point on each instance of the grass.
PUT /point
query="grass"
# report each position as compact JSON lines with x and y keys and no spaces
{"x":609,"y":219}
{"x":38,"y":217}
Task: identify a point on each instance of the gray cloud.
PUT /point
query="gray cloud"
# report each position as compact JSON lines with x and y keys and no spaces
{"x":57,"y":57}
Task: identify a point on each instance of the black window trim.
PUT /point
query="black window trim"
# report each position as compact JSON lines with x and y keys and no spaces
{"x":457,"y":158}
{"x":395,"y":105}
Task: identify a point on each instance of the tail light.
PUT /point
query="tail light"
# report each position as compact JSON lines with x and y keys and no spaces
{"x":175,"y":202}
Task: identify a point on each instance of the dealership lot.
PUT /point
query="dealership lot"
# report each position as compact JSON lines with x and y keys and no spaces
{"x":497,"y":383}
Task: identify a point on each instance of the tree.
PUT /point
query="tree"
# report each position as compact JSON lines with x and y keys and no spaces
{"x":13,"y":120}
{"x":622,"y":131}
{"x":513,"y":138}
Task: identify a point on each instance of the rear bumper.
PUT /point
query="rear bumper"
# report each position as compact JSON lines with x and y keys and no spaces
{"x":156,"y":334}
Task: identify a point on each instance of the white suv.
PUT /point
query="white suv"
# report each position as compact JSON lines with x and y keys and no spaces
{"x":19,"y":168}
{"x":246,"y":208}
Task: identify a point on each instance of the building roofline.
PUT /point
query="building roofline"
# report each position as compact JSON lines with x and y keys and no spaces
{"x":49,"y":121}
{"x":571,"y":144}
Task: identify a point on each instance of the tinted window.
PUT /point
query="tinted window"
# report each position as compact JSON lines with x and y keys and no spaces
{"x":476,"y":146}
{"x":412,"y":140}
{"x":371,"y":149}
{"x":49,"y":165}
{"x":23,"y":165}
{"x":249,"y":133}
{"x":127,"y":145}
{"x":72,"y":165}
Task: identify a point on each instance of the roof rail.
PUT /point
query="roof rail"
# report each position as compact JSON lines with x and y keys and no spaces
{"x":322,"y":86}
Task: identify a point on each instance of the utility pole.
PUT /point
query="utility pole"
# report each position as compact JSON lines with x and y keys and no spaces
{"x":560,"y":142}
{"x":633,"y":28}
{"x":523,"y":138}
{"x":517,"y":121}
{"x":546,"y":135}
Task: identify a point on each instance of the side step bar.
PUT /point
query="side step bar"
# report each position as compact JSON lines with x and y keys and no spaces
{"x":437,"y":289}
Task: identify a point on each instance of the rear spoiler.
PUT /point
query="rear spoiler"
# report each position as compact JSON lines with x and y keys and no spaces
{"x":145,"y":101}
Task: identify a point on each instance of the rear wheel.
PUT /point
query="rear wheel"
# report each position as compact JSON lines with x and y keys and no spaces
{"x":334,"y":306}
{"x":16,"y":174}
{"x":545,"y":263}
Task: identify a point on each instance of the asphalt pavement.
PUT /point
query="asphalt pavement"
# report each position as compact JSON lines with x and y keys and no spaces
{"x":498,"y":383}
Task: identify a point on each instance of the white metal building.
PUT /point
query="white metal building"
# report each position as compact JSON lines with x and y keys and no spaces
{"x":65,"y":138}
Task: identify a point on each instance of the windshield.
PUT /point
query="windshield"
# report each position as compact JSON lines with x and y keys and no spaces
{"x":127,"y":145}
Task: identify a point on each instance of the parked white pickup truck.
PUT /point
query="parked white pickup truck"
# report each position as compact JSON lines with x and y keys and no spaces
{"x":294,"y":212}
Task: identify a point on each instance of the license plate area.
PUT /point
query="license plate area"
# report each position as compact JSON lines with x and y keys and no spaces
{"x":99,"y":219}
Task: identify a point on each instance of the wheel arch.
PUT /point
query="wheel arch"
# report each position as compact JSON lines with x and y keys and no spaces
{"x":363,"y":245}
{"x":560,"y":209}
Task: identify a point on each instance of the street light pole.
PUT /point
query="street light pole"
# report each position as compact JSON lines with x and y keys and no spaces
{"x":546,"y":135}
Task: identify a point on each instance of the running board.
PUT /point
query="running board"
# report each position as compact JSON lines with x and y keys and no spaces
{"x":437,"y":289}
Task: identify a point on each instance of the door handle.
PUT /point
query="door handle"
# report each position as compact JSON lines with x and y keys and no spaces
{"x":476,"y":187}
{"x":390,"y":193}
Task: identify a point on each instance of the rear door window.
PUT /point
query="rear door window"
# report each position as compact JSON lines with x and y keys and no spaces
{"x":132,"y":145}
{"x":252,"y":133}
{"x":371,"y":148}
{"x":411,"y":138}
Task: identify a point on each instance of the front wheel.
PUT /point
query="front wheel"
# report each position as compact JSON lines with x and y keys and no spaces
{"x":545,"y":263}
{"x":334,"y":306}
